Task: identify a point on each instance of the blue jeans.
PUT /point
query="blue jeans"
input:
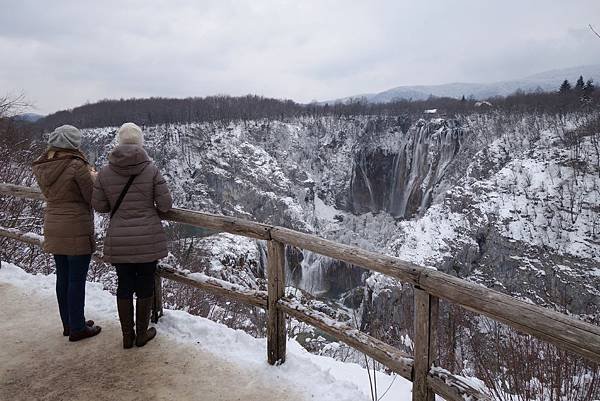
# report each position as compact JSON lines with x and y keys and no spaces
{"x":71,"y":272}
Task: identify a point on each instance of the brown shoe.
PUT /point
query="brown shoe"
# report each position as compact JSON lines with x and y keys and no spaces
{"x":142,"y":320}
{"x":67,"y":331}
{"x":125,"y":308}
{"x":85,"y":333}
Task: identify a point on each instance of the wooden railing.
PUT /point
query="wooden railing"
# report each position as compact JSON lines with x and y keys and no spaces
{"x":430,"y":285}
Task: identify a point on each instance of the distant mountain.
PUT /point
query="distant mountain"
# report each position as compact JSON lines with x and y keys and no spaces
{"x":29,"y":117}
{"x":545,"y":81}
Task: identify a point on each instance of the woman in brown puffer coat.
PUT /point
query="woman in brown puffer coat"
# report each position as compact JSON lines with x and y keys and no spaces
{"x":135,"y":239}
{"x":65,"y":178}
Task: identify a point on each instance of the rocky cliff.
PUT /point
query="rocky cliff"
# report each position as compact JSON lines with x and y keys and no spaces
{"x":505,"y":200}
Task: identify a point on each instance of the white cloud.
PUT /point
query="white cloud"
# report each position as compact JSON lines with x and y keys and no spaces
{"x":73,"y":51}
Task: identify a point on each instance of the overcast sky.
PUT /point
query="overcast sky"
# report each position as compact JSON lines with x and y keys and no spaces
{"x":64,"y":53}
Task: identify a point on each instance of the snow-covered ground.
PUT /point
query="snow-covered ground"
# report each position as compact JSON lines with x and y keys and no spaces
{"x":317,"y":377}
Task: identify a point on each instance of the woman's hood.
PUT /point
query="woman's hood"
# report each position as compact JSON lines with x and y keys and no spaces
{"x":128,"y":160}
{"x":51,"y":164}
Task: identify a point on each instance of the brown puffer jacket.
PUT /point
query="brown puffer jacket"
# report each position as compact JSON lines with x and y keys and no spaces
{"x":135,"y":233}
{"x":64,"y":176}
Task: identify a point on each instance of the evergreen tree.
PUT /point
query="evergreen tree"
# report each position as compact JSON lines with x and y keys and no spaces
{"x":580,"y":84}
{"x":589,"y":88}
{"x":565,"y":87}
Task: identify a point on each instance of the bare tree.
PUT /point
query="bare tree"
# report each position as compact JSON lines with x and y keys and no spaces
{"x":12,"y":104}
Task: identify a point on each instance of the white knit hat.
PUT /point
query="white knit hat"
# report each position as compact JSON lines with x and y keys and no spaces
{"x":131,"y":134}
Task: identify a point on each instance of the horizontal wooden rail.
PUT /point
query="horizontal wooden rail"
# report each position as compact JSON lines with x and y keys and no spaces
{"x":444,"y":383}
{"x":452,"y":387}
{"x":21,"y":191}
{"x":557,"y":328}
{"x":215,"y":286}
{"x":197,"y":280}
{"x":218,"y":223}
{"x":29,"y":238}
{"x":389,"y":356}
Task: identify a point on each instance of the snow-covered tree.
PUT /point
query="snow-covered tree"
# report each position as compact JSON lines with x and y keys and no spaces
{"x":565,"y":87}
{"x":580,"y":84}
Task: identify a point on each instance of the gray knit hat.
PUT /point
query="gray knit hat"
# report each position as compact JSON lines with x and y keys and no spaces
{"x":66,"y":137}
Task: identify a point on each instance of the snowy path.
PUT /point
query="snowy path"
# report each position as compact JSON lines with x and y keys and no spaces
{"x":38,"y":363}
{"x":191,"y":359}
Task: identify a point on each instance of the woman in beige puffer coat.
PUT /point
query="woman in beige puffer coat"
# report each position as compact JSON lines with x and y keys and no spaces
{"x":135,"y":239}
{"x":66,"y":178}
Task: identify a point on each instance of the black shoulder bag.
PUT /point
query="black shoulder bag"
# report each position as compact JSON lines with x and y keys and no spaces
{"x":122,"y":195}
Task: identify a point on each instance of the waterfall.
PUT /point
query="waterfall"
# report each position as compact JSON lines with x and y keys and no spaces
{"x":415,"y":164}
{"x":323,"y":276}
{"x":367,"y":182}
{"x":403,"y":181}
{"x":314,"y":268}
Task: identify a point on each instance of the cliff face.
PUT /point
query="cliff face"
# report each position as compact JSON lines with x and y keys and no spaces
{"x":501,"y":199}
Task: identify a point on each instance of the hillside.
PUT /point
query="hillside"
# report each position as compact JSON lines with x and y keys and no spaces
{"x":452,"y":194}
{"x":544,"y":81}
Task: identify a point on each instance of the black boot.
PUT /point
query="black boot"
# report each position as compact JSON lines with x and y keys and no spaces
{"x":67,"y":330}
{"x":142,"y":320}
{"x":87,"y":332}
{"x":125,"y":308}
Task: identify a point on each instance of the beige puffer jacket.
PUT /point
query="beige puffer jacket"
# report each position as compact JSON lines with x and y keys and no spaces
{"x":64,"y":176}
{"x":135,"y":233}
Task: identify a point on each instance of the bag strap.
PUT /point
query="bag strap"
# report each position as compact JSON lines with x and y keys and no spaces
{"x":122,"y":195}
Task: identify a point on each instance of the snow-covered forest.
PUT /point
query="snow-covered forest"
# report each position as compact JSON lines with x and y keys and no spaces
{"x":508,"y":197}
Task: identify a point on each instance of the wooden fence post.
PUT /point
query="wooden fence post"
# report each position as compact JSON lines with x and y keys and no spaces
{"x":157,"y":305}
{"x":426,"y":322}
{"x":276,"y":334}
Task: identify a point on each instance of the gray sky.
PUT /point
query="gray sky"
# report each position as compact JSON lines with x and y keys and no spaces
{"x":63,"y":53}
